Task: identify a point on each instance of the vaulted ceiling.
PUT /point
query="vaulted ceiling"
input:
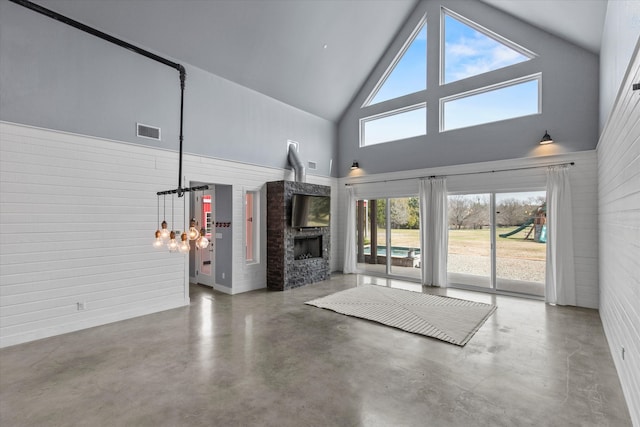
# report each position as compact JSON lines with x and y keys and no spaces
{"x":311,"y":54}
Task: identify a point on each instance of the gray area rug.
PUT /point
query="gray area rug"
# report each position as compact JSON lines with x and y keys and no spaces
{"x":448,"y":319}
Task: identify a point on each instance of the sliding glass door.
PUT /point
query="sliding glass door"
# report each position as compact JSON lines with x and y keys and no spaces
{"x":497,"y":241}
{"x":388,"y":236}
{"x":521,"y":236}
{"x":469,"y":256}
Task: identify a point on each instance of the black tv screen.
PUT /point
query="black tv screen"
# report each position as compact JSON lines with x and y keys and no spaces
{"x":310,"y":211}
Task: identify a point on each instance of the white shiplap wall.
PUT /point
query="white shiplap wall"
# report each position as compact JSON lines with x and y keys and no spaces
{"x":619,"y":228}
{"x":584,"y":196}
{"x":77,"y":216}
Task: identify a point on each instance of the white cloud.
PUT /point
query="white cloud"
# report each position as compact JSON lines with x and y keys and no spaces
{"x":469,"y":56}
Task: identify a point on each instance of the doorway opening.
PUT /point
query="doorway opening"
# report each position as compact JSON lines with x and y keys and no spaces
{"x":202,"y":261}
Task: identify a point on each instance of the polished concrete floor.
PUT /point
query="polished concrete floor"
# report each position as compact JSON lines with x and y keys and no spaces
{"x":266,"y":359}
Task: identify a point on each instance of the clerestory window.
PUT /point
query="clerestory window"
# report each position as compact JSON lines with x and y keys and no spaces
{"x":469,"y":49}
{"x":407,"y":73}
{"x":394,"y":125}
{"x":508,"y":100}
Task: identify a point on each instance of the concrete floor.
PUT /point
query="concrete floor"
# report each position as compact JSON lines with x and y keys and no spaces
{"x":266,"y":359}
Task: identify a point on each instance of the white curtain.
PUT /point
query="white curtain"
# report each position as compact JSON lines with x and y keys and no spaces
{"x":560,"y":274}
{"x":434,"y":232}
{"x":350,"y":265}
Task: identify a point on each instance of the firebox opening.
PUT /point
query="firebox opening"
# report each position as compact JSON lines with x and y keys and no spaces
{"x":307,"y":247}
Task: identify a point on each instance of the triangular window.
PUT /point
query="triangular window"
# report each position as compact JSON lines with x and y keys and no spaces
{"x":469,"y":49}
{"x":408,"y":71}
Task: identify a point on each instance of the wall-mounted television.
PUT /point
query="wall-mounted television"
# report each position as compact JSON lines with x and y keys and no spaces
{"x":310,"y":211}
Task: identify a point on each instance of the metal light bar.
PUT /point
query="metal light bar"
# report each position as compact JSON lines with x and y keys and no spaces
{"x":184,"y":190}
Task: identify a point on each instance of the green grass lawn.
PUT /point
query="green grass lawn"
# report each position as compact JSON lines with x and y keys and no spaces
{"x":476,"y":242}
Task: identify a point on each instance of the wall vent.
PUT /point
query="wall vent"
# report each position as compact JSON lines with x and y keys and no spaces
{"x":146,"y":131}
{"x":312,"y":165}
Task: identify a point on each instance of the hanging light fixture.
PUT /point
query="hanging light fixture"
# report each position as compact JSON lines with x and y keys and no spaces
{"x":193,"y":230}
{"x":173,"y":244}
{"x":158,"y":242}
{"x":202,"y":241}
{"x":163,"y":232}
{"x":183,"y":247}
{"x":184,"y":244}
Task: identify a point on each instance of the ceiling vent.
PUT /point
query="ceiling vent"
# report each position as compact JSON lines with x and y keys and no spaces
{"x":146,"y":131}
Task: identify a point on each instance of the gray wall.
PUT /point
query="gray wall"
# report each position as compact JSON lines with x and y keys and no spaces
{"x":619,"y":37}
{"x":224,"y":245}
{"x":569,"y":101}
{"x":57,"y":77}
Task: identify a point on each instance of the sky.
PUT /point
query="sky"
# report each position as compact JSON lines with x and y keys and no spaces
{"x":410,"y":73}
{"x":468,"y":52}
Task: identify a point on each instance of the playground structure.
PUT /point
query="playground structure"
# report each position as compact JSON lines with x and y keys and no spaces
{"x":538,"y":224}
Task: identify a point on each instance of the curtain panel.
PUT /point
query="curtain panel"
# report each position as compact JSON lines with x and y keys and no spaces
{"x":350,"y":265}
{"x":434,"y":231}
{"x":560,"y":271}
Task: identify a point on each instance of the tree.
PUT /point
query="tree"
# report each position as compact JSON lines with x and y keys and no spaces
{"x":414,"y":213}
{"x":459,"y":211}
{"x":399,"y":212}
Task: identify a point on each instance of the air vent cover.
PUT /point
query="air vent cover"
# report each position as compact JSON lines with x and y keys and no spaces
{"x":312,"y":165}
{"x":146,"y":131}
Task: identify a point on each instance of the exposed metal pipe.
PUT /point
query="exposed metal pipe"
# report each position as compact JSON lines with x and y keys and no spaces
{"x":97,"y":33}
{"x":296,"y":164}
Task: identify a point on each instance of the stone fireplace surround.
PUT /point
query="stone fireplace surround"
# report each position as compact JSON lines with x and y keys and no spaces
{"x":286,"y":245}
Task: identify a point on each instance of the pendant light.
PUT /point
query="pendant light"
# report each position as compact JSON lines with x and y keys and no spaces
{"x":183,"y":247}
{"x":193,"y":230}
{"x":184,"y":244}
{"x":164,"y":231}
{"x":173,"y":244}
{"x":158,"y":242}
{"x":202,"y":241}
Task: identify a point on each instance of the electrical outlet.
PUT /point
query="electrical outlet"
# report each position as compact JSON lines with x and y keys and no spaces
{"x":223,"y":275}
{"x":82,"y":306}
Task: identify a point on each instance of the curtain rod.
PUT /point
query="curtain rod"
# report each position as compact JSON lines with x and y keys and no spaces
{"x":466,"y":173}
{"x":97,"y":33}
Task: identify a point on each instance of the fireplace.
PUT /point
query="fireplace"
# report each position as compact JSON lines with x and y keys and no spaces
{"x":307,"y":247}
{"x":296,"y":256}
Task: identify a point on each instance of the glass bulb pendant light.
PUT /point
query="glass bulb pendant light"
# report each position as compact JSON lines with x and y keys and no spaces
{"x":173,"y":244}
{"x":158,"y":242}
{"x":164,"y":231}
{"x":184,"y":244}
{"x":193,"y":231}
{"x":202,"y":241}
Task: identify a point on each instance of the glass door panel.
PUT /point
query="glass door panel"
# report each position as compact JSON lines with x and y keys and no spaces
{"x":371,"y":231}
{"x":469,"y":253}
{"x":404,"y":230}
{"x":521,"y":235}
